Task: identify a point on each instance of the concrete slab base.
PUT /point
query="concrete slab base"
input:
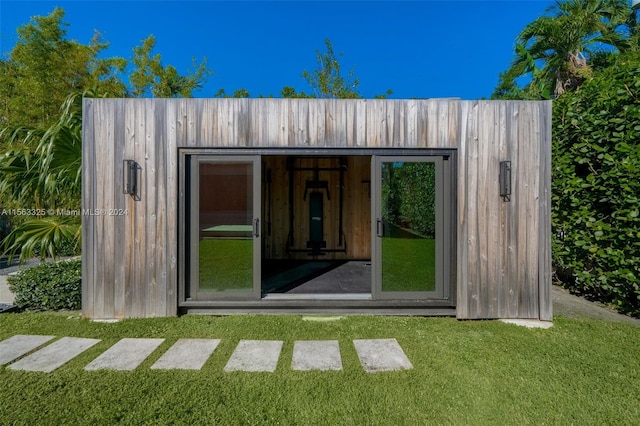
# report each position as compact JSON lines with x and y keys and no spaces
{"x":187,"y":354}
{"x":316,"y":355}
{"x":529,"y":323}
{"x":127,"y":354}
{"x":255,"y":355}
{"x":381,"y":355}
{"x":19,"y":345}
{"x":54,"y":355}
{"x":322,"y":318}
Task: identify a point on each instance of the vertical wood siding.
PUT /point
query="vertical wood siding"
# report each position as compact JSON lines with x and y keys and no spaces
{"x":503,"y":248}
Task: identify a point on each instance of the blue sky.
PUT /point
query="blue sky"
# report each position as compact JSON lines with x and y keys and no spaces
{"x":418,"y":49}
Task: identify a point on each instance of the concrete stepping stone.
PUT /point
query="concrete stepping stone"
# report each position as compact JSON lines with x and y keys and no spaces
{"x":127,"y":354}
{"x":316,"y":355}
{"x":255,"y":355}
{"x":16,"y":346}
{"x":54,"y":355}
{"x":381,"y":355}
{"x":187,"y":354}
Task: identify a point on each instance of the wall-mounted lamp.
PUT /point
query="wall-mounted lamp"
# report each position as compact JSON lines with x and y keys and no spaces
{"x":130,"y":173}
{"x":505,"y":180}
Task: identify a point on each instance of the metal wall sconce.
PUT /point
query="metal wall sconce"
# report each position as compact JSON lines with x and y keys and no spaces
{"x":505,"y":180}
{"x":130,"y":178}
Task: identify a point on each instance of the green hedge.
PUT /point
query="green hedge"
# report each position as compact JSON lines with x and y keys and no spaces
{"x":596,"y":187}
{"x":49,"y":286}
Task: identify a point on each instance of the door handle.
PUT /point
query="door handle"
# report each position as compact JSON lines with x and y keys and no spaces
{"x":379,"y":228}
{"x":256,"y":227}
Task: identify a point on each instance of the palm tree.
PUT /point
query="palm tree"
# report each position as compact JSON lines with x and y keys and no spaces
{"x":555,"y":50}
{"x":44,"y":174}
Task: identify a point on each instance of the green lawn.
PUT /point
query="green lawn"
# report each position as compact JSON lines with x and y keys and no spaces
{"x":465,"y":372}
{"x":226,"y":264}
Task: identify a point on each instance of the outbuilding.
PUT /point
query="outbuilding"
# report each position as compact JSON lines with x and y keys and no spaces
{"x":425,"y":207}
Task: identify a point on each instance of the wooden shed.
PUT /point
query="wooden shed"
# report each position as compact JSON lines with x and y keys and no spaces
{"x":426,"y":207}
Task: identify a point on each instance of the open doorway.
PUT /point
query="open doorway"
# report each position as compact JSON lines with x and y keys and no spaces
{"x":316,"y":234}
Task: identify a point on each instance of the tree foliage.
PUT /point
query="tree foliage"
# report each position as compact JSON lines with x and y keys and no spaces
{"x":151,"y":78}
{"x":327,"y":80}
{"x":238,"y":93}
{"x":44,"y":67}
{"x":45,"y":180}
{"x":554,"y":52}
{"x":596,"y":186}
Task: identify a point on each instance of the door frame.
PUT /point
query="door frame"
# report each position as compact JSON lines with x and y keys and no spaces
{"x":186,"y":156}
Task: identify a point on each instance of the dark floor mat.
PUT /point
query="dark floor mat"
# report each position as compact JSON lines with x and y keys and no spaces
{"x":281,"y":277}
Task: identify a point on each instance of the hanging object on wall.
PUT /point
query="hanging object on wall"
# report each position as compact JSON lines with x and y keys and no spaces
{"x":130,"y":178}
{"x":505,"y":180}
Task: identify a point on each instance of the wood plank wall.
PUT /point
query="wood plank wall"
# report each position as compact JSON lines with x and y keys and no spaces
{"x":503,"y":249}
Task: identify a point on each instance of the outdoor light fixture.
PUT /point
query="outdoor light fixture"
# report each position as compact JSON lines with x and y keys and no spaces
{"x":505,"y":180}
{"x":130,"y":171}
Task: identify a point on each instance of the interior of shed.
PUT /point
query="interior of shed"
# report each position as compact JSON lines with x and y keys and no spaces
{"x":316,"y":229}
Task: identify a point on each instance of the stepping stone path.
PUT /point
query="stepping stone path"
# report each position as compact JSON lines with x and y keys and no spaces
{"x":381,"y":355}
{"x":53,"y":356}
{"x":16,"y":346}
{"x":187,"y":354}
{"x":255,"y":355}
{"x":27,"y":353}
{"x":316,"y":355}
{"x":127,"y":354}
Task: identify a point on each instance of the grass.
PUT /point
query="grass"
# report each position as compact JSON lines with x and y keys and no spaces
{"x":465,"y":372}
{"x":226,"y":264}
{"x":408,"y":264}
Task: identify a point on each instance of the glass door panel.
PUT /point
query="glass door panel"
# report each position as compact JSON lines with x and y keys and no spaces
{"x":225,"y":227}
{"x":409,"y":239}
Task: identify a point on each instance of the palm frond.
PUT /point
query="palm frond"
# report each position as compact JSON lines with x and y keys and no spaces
{"x":43,"y":236}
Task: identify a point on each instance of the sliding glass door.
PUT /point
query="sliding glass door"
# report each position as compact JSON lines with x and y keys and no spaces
{"x":410,"y":203}
{"x":225,"y":227}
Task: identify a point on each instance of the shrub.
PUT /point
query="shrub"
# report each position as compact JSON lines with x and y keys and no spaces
{"x":48,"y":286}
{"x":596,"y":187}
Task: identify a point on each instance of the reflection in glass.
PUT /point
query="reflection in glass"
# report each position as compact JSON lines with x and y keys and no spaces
{"x":409,"y":226}
{"x":225,"y":219}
